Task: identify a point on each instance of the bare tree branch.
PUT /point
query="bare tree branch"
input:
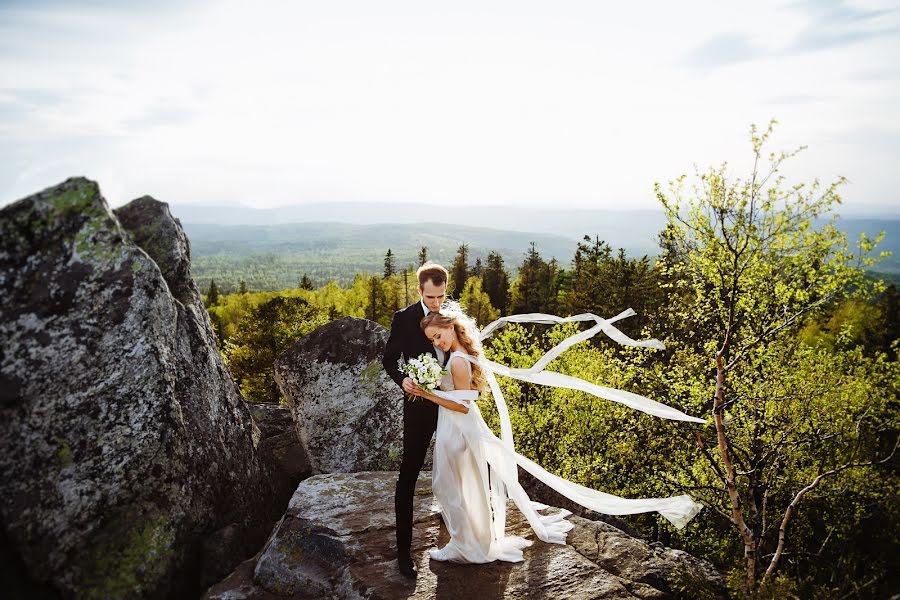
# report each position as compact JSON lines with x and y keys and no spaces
{"x":792,"y":507}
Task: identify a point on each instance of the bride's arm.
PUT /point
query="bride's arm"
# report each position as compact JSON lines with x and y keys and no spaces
{"x":462,"y":380}
{"x":450,"y":404}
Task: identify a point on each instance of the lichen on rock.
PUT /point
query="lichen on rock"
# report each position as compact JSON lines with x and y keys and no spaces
{"x":112,"y":396}
{"x":348,"y":412}
{"x":125,"y":555}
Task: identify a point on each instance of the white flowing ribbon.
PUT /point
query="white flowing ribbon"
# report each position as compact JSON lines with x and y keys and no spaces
{"x":679,"y":510}
{"x":536,"y":373}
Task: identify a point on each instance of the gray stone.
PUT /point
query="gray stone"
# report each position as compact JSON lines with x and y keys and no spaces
{"x":336,"y":540}
{"x":272,"y":419}
{"x":280,"y":449}
{"x":348,"y":412}
{"x":124,"y":441}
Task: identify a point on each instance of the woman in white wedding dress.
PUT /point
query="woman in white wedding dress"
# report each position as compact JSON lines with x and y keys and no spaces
{"x":472,"y":497}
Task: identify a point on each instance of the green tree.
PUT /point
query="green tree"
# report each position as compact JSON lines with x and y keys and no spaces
{"x":212,"y":295}
{"x":357,"y":299}
{"x":390,"y":298}
{"x":605,"y":284}
{"x":306,"y":283}
{"x":477,"y":303}
{"x":216,"y":323}
{"x":376,"y":294}
{"x":887,"y":331}
{"x":242,"y":287}
{"x":423,"y":255}
{"x":536,"y":289}
{"x":266,"y":331}
{"x":873,"y":325}
{"x":389,"y":264}
{"x":459,"y":271}
{"x":495,"y":281}
{"x":756,"y":269}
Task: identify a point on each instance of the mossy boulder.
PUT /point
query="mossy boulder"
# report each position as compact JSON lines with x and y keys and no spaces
{"x":124,"y":441}
{"x":348,"y":412}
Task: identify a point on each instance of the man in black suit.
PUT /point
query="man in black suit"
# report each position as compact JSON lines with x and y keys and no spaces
{"x":419,"y":415}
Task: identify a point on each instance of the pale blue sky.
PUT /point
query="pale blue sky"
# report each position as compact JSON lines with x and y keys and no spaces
{"x":581,"y":104}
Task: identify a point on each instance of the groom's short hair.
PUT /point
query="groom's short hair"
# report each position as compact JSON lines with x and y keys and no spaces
{"x":433,"y":271}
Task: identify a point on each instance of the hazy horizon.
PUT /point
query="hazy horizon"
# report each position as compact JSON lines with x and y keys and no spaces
{"x":874,"y":210}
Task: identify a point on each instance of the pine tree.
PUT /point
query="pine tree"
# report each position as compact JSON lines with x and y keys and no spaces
{"x":537,"y":286}
{"x":495,"y":281}
{"x":477,"y":269}
{"x":423,"y":255}
{"x":459,"y":270}
{"x":242,"y":287}
{"x":212,"y":296}
{"x":604,"y":284}
{"x":591,"y":283}
{"x":306,"y":283}
{"x":389,"y":264}
{"x":551,"y":284}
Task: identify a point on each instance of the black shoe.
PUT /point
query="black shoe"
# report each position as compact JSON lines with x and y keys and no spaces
{"x":404,"y":561}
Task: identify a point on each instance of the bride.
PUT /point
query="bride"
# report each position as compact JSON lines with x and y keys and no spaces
{"x":471,"y":495}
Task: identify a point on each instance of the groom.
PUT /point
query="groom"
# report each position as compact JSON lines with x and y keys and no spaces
{"x":419,"y":415}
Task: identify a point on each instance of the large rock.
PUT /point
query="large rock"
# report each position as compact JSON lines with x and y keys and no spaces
{"x":336,"y":540}
{"x":129,"y":462}
{"x":280,"y":448}
{"x":348,"y":412}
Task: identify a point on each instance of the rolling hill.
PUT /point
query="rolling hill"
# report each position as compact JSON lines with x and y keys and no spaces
{"x":273,"y":248}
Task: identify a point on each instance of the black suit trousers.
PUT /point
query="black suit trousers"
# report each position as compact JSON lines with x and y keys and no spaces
{"x":419,"y":423}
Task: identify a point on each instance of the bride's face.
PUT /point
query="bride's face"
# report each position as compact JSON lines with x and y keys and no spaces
{"x":441,"y":337}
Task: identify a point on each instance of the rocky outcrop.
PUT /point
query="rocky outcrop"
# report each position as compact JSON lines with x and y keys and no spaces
{"x":280,"y":448}
{"x":336,"y":540}
{"x":129,"y":461}
{"x":348,"y":412}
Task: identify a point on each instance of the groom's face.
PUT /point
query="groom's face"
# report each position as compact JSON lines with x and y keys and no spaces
{"x":433,"y":295}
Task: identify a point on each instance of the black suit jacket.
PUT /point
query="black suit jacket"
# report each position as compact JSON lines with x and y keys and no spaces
{"x":406,"y":339}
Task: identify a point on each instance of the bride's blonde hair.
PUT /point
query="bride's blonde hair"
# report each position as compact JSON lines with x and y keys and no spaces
{"x":466,"y":332}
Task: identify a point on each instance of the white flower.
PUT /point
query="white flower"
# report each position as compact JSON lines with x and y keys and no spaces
{"x":425,"y":371}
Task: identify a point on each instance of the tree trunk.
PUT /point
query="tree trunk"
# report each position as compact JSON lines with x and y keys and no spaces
{"x":737,"y":515}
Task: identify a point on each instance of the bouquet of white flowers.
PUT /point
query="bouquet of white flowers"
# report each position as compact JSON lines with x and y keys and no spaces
{"x":425,"y":371}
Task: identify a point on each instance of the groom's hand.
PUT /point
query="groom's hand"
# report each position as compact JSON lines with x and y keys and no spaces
{"x":408,"y":386}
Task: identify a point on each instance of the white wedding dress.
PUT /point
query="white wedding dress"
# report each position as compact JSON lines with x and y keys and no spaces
{"x":464,"y":446}
{"x":473,"y":498}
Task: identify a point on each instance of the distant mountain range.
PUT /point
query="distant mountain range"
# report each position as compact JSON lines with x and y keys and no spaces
{"x":639,"y":226}
{"x":338,"y":240}
{"x":276,"y":256}
{"x":371,"y":241}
